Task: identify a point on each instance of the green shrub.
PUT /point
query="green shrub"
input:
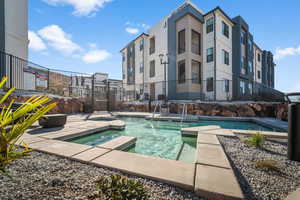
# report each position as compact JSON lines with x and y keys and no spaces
{"x":121,"y":188}
{"x":256,"y":140}
{"x":271,"y":165}
{"x":13,"y":125}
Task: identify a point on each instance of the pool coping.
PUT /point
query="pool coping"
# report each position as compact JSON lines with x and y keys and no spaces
{"x":267,"y":122}
{"x":189,"y":176}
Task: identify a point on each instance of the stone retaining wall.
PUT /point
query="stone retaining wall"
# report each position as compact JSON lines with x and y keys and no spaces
{"x":274,"y":110}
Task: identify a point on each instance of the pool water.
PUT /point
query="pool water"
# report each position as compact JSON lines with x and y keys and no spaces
{"x":161,"y":138}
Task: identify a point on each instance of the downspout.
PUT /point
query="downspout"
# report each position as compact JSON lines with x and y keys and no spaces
{"x":215,"y":58}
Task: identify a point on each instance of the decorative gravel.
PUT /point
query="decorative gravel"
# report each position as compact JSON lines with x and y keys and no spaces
{"x":260,"y":183}
{"x":43,"y":176}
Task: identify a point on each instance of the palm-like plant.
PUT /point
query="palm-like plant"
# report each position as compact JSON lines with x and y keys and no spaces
{"x":13,"y":124}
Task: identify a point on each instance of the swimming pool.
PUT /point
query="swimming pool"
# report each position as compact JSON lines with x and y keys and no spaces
{"x":161,"y":138}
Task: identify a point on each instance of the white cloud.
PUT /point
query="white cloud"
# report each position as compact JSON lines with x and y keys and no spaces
{"x":94,"y":56}
{"x":81,"y":7}
{"x":133,"y":31}
{"x":35,"y":42}
{"x":59,"y":40}
{"x":282,"y":53}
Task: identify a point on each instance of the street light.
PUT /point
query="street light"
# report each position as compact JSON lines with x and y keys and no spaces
{"x":165,"y":63}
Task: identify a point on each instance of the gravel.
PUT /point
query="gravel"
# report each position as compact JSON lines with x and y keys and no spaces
{"x":258,"y":183}
{"x":43,"y":176}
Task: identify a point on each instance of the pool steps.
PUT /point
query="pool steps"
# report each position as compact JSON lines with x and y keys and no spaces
{"x":119,"y":143}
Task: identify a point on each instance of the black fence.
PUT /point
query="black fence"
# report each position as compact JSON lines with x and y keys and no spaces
{"x":101,"y":93}
{"x":194,"y":89}
{"x":32,"y":79}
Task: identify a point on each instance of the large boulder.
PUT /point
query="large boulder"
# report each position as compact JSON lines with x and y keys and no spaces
{"x":245,"y":110}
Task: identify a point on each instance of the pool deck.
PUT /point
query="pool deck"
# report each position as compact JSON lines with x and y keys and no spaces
{"x":211,"y":175}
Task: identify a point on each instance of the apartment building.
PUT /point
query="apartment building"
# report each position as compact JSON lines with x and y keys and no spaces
{"x":13,"y":39}
{"x":210,"y":57}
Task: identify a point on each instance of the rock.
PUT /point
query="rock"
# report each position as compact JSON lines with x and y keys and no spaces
{"x":245,"y":111}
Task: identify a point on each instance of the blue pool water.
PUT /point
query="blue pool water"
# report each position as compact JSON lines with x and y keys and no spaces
{"x":161,"y":138}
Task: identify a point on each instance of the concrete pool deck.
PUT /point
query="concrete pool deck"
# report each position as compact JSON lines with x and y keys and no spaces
{"x":211,"y":175}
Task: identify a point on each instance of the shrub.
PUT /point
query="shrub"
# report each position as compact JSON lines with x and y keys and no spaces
{"x":271,"y":165}
{"x":121,"y":188}
{"x":256,"y":140}
{"x":13,"y":125}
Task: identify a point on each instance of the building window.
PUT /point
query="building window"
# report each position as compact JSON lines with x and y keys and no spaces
{"x":196,"y":72}
{"x":226,"y":85}
{"x":210,"y":55}
{"x":225,"y":29}
{"x":196,"y":42}
{"x":243,"y":65}
{"x":181,"y":71}
{"x":123,"y":76}
{"x":250,"y":86}
{"x":152,"y":45}
{"x":210,"y":25}
{"x":258,"y":57}
{"x":130,"y":51}
{"x":141,"y":44}
{"x":243,"y":38}
{"x":123,"y":57}
{"x":250,"y":66}
{"x":225,"y":57}
{"x":258,"y":74}
{"x":141,"y":67}
{"x":242,"y":87}
{"x":152,"y":68}
{"x":250,"y":44}
{"x":181,"y":41}
{"x":210,"y":84}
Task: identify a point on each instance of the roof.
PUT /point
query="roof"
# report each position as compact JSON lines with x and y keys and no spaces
{"x":218,"y":8}
{"x":143,"y":34}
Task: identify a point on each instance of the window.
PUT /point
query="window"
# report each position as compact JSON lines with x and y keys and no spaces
{"x":141,"y":44}
{"x":243,"y":38}
{"x":196,"y":42}
{"x":250,"y":86}
{"x":210,"y":55}
{"x":225,"y":29}
{"x":250,"y":45}
{"x":258,"y":74}
{"x":225,"y":57}
{"x":242,"y":87}
{"x":210,"y":84}
{"x":181,"y":71}
{"x":196,"y":72}
{"x":210,"y":25}
{"x":181,"y":42}
{"x":141,"y":67}
{"x":130,"y":51}
{"x":243,"y":65}
{"x":250,"y":66}
{"x":123,"y":76}
{"x":123,"y":57}
{"x":258,"y":57}
{"x":152,"y":45}
{"x":152,"y":68}
{"x":226,"y":85}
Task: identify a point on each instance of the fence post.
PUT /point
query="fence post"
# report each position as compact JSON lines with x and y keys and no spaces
{"x":48,"y":82}
{"x":10,"y":71}
{"x":108,"y":94}
{"x":93,"y":92}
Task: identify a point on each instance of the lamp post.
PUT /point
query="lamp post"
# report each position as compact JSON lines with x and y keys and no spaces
{"x":165,"y":63}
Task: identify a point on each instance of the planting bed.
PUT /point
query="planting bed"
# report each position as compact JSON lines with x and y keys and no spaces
{"x":262,"y":183}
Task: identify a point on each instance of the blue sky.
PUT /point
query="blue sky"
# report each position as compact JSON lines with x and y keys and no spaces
{"x":86,"y":35}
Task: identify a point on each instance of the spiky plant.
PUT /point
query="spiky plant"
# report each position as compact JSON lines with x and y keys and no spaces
{"x":256,"y":140}
{"x":13,"y":124}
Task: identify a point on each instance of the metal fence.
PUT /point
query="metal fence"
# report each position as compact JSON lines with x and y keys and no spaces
{"x":32,"y":79}
{"x":101,"y":93}
{"x":194,"y":89}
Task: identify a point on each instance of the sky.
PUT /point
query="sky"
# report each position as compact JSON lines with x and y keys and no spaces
{"x":87,"y":35}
